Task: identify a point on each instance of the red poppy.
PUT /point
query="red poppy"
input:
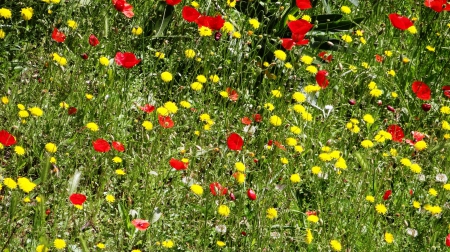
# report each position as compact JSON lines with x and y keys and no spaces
{"x":101,"y":145}
{"x":303,"y":4}
{"x":246,"y":121}
{"x":93,"y":40}
{"x":397,"y":133}
{"x":72,"y":111}
{"x":6,"y":138}
{"x":421,"y":90}
{"x":325,"y":57}
{"x":251,"y":194}
{"x":173,"y":2}
{"x":58,"y":36}
{"x":309,"y":213}
{"x":235,"y":142}
{"x":216,"y":23}
{"x":232,"y":94}
{"x":446,"y":91}
{"x":124,"y":7}
{"x":77,"y":198}
{"x":127,"y":59}
{"x":141,"y":225}
{"x":84,"y":56}
{"x":279,"y":145}
{"x":447,"y":240}
{"x":190,"y":14}
{"x":387,"y":194}
{"x":400,"y":22}
{"x":288,"y":43}
{"x":321,"y":78}
{"x":257,"y":118}
{"x":118,"y":146}
{"x":411,"y":192}
{"x":147,"y":108}
{"x":217,"y":189}
{"x":379,"y":58}
{"x":178,"y":164}
{"x":299,"y":26}
{"x":418,"y":136}
{"x":165,"y":121}
{"x":437,"y":5}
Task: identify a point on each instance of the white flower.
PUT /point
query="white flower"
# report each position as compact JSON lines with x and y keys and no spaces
{"x":421,"y":177}
{"x":441,"y":178}
{"x":412,"y":232}
{"x":221,"y":229}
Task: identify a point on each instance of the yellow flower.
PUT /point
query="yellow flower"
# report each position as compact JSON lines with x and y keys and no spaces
{"x":446,"y":187}
{"x":406,"y":162}
{"x":325,"y":157}
{"x":240,"y":177}
{"x":271,"y":213}
{"x":101,"y":245}
{"x":341,"y":163}
{"x":231,"y":3}
{"x":298,"y":149}
{"x":160,"y":55}
{"x":405,"y":60}
{"x":197,"y":189}
{"x":120,"y":172}
{"x":388,"y":53}
{"x":376,"y":92}
{"x":189,"y":53}
{"x":92,"y":126}
{"x":72,"y":24}
{"x":388,"y":237}
{"x":308,"y":237}
{"x":27,"y":13}
{"x":311,"y":69}
{"x":221,"y":243}
{"x":276,"y":93}
{"x":52,"y":160}
{"x":362,"y":40}
{"x":296,"y":130}
{"x":347,"y":38}
{"x":335,"y":245}
{"x":381,"y":209}
{"x":147,"y":125}
{"x":430,"y":48}
{"x":167,"y":244}
{"x":370,"y":198}
{"x":346,"y":9}
{"x":59,"y":244}
{"x":284,"y":160}
{"x":2,"y":34}
{"x":416,"y":204}
{"x":280,"y":55}
{"x":275,"y":120}
{"x":432,"y":192}
{"x":269,"y":106}
{"x":237,"y":35}
{"x":434,"y":209}
{"x":137,"y":30}
{"x":415,"y":168}
{"x":5,"y":13}
{"x":20,"y":106}
{"x":382,"y":136}
{"x":239,"y":166}
{"x":35,"y":111}
{"x":223,"y":210}
{"x":166,"y":76}
{"x":41,"y":248}
{"x":10,"y":183}
{"x":214,"y":78}
{"x":368,"y":119}
{"x":412,"y":29}
{"x":171,"y":107}
{"x":19,"y":150}
{"x":420,"y":145}
{"x":204,"y":31}
{"x":110,"y":198}
{"x":306,"y":18}
{"x":295,"y":178}
{"x":313,"y":218}
{"x":196,"y":86}
{"x":185,"y":104}
{"x":307,"y":59}
{"x":254,"y":22}
{"x":391,"y":72}
{"x":316,"y":170}
{"x":117,"y":160}
{"x":367,"y":144}
{"x":5,"y":100}
{"x":227,"y":26}
{"x":104,"y":61}
{"x":365,"y":65}
{"x":51,"y":147}
{"x":394,"y":94}
{"x":291,"y":141}
{"x":89,"y":96}
{"x":23,"y":114}
{"x":25,"y":184}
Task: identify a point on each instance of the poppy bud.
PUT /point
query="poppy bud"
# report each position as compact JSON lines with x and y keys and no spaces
{"x":243,"y":233}
{"x":352,"y":102}
{"x":426,"y":107}
{"x":47,"y":212}
{"x":251,"y":194}
{"x":217,"y":36}
{"x":255,"y":160}
{"x":390,"y":108}
{"x":84,"y":56}
{"x":379,"y":103}
{"x":232,"y":197}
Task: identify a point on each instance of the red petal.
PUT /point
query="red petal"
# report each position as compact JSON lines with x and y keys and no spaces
{"x":217,"y":189}
{"x":251,"y":194}
{"x":447,"y":240}
{"x":177,"y":164}
{"x":418,"y":135}
{"x":118,"y":146}
{"x":232,"y":94}
{"x":397,"y":133}
{"x":387,"y":194}
{"x":246,"y":121}
{"x":165,"y":121}
{"x":101,"y":145}
{"x":6,"y":138}
{"x":173,"y":2}
{"x":421,"y":90}
{"x":147,"y":108}
{"x":190,"y":14}
{"x":400,"y":22}
{"x":446,"y":91}
{"x":58,"y":36}
{"x":257,"y":118}
{"x":93,"y":40}
{"x":436,"y":5}
{"x":72,"y":111}
{"x":140,"y":224}
{"x":279,"y":145}
{"x":300,"y":26}
{"x":379,"y":58}
{"x":235,"y":142}
{"x":124,"y":7}
{"x":321,"y":78}
{"x":287,"y":43}
{"x":303,"y":4}
{"x":77,"y":199}
{"x":127,"y":59}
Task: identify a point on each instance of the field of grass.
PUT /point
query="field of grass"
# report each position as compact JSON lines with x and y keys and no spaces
{"x":221,"y":125}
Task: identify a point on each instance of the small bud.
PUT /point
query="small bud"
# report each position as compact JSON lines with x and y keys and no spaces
{"x":352,"y":102}
{"x":390,"y":108}
{"x":426,"y":107}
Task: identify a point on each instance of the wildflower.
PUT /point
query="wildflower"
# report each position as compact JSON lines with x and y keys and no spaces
{"x":171,"y":107}
{"x":406,"y":162}
{"x":433,"y":209}
{"x":10,"y":183}
{"x":306,"y":18}
{"x":432,"y":192}
{"x":312,"y":69}
{"x":166,"y":76}
{"x":35,"y":111}
{"x":298,"y":149}
{"x":341,"y":164}
{"x":140,"y":224}
{"x":223,"y":210}
{"x":240,"y":177}
{"x":284,"y":160}
{"x":420,"y":145}
{"x":197,"y":189}
{"x":52,"y":160}
{"x":313,"y":218}
{"x":117,"y":160}
{"x":412,"y":29}
{"x":60,"y":60}
{"x":221,"y":243}
{"x":120,"y":172}
{"x":27,"y":13}
{"x":306,"y":59}
{"x":204,"y":31}
{"x":362,"y":40}
{"x":59,"y":244}
{"x":370,"y":198}
{"x":275,"y":120}
{"x":367,"y":144}
{"x":368,"y":119}
{"x":391,"y":72}
{"x":276,"y":93}
{"x":388,"y":237}
{"x":346,"y":9}
{"x":104,"y":61}
{"x":405,"y":60}
{"x":416,"y":204}
{"x":430,"y":48}
{"x":372,"y":85}
{"x":147,"y":125}
{"x":239,"y":166}
{"x":126,"y":59}
{"x":446,"y":187}
{"x":388,"y":53}
{"x":197,"y":86}
{"x":441,"y":178}
{"x":41,"y":247}
{"x":185,"y":104}
{"x":237,"y":35}
{"x":288,"y":65}
{"x":381,"y":209}
{"x":254,"y":22}
{"x":167,"y":244}
{"x":92,"y":126}
{"x":19,"y":150}
{"x":335,"y":245}
{"x":382,"y":136}
{"x":279,"y":54}
{"x":160,"y":55}
{"x":269,"y":106}
{"x":101,"y":245}
{"x":137,"y":30}
{"x":295,"y":178}
{"x":316,"y":170}
{"x":25,"y":184}
{"x":347,"y":38}
{"x":412,"y":232}
{"x":296,"y":130}
{"x":365,"y":65}
{"x":23,"y":114}
{"x":376,"y":92}
{"x":5,"y":13}
{"x":271,"y":213}
{"x":415,"y":168}
{"x":124,"y":7}
{"x":189,"y":53}
{"x":5,"y":100}
{"x":110,"y":198}
{"x":308,"y":237}
{"x":72,"y":24}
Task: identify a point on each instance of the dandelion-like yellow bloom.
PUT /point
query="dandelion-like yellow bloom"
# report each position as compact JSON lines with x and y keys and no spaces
{"x":376,"y":92}
{"x":171,"y":107}
{"x":104,"y":61}
{"x":5,"y":100}
{"x":254,"y":22}
{"x":284,"y":160}
{"x":204,"y":31}
{"x":196,"y":86}
{"x":368,"y":119}
{"x":299,"y":108}
{"x":137,"y":30}
{"x":35,"y":111}
{"x":239,"y":166}
{"x":25,"y":184}
{"x":227,"y":27}
{"x":279,"y":54}
{"x":381,"y":209}
{"x":59,"y":244}
{"x":72,"y":24}
{"x":420,"y":145}
{"x":117,"y":160}
{"x":412,"y":29}
{"x":185,"y":104}
{"x":237,"y":35}
{"x":316,"y":170}
{"x":325,"y":157}
{"x":335,"y":245}
{"x":347,"y":38}
{"x":312,"y":69}
{"x":168,"y":244}
{"x":370,"y":198}
{"x":306,"y":18}
{"x":240,"y":177}
{"x":341,"y":163}
{"x":10,"y":183}
{"x":2,"y":34}
{"x":367,"y":144}
{"x":5,"y":13}
{"x":214,"y":78}
{"x":406,"y":162}
{"x":51,"y":147}
{"x":296,"y":130}
{"x":298,"y":97}
{"x":276,"y":93}
{"x":19,"y":150}
{"x":221,"y":243}
{"x":275,"y":120}
{"x":271,"y":213}
{"x":41,"y":248}
{"x":160,"y":55}
{"x":92,"y":126}
{"x":166,"y":76}
{"x":101,"y":245}
{"x":27,"y":13}
{"x":189,"y":53}
{"x":23,"y":114}
{"x":346,"y":9}
{"x":307,"y":59}
{"x":362,"y":40}
{"x":415,"y":168}
{"x":416,"y":204}
{"x":120,"y":172}
{"x":313,"y":218}
{"x":388,"y":237}
{"x":365,"y":65}
{"x":147,"y":125}
{"x":308,"y":237}
{"x":201,"y":78}
{"x":295,"y":178}
{"x":430,"y":48}
{"x":110,"y":198}
{"x":223,"y":210}
{"x":433,"y":192}
{"x":298,"y":149}
{"x":197,"y":189}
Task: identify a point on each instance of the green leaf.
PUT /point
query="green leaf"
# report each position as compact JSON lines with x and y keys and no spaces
{"x":326,"y":18}
{"x":339,"y":26}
